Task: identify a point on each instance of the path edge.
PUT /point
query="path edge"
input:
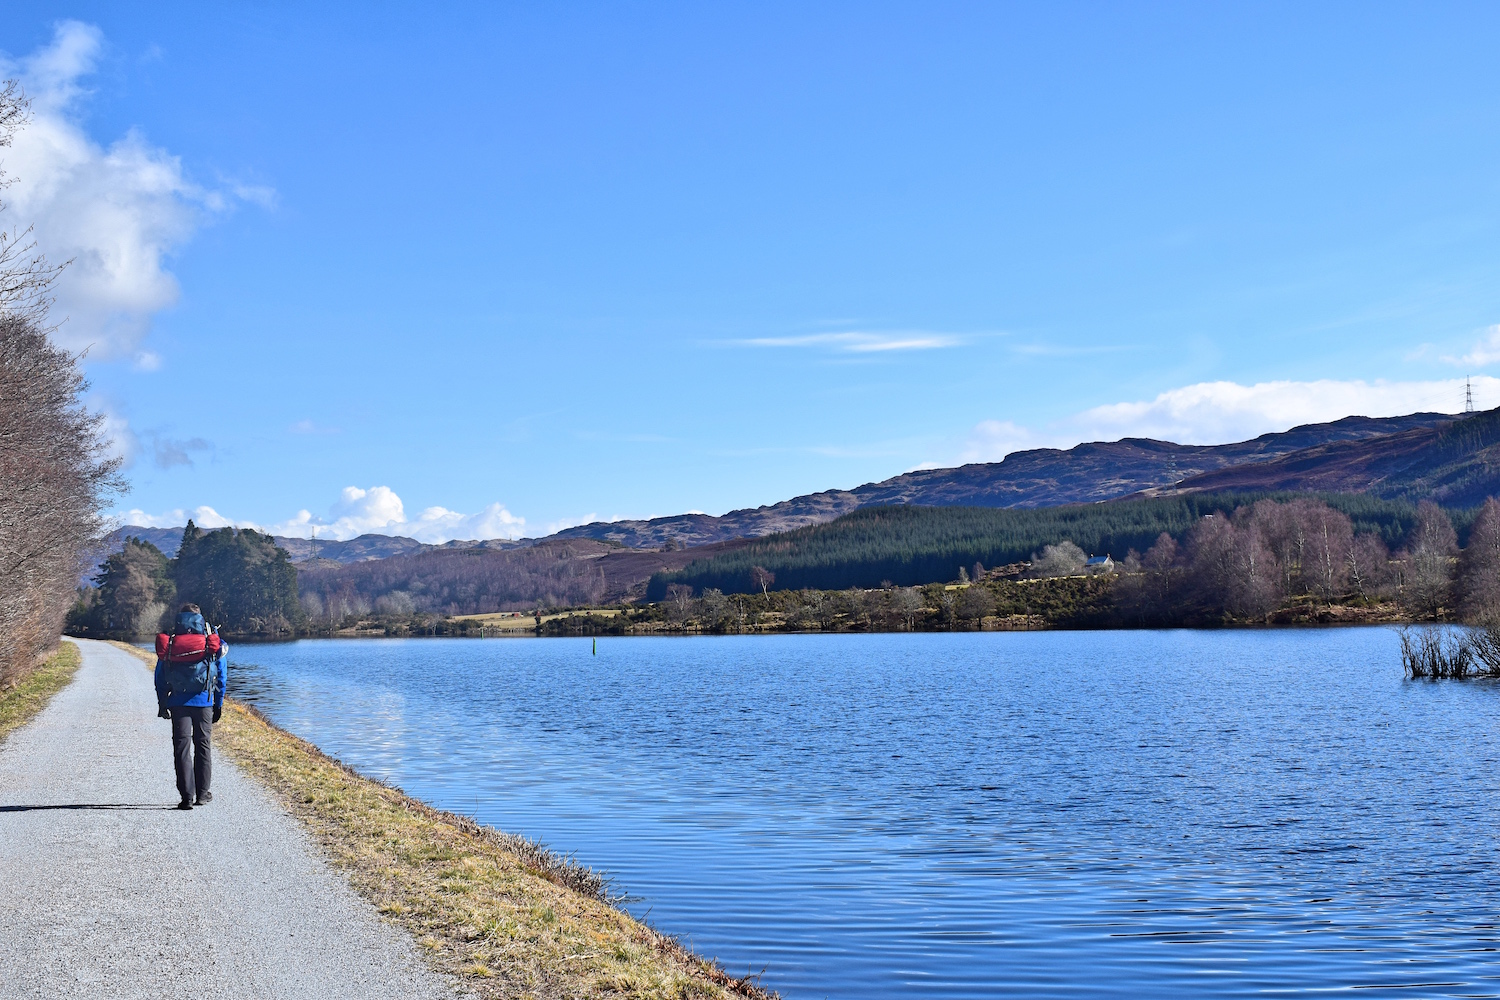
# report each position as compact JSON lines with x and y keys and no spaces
{"x":317,"y":789}
{"x":23,"y":700}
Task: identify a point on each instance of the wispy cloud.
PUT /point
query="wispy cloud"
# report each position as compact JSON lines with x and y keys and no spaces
{"x":1486,"y":350}
{"x":312,"y":427}
{"x":861,"y":341}
{"x":169,"y":452}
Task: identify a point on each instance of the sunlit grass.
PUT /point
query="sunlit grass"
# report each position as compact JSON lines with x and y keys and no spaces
{"x":502,"y":914}
{"x":21,"y":701}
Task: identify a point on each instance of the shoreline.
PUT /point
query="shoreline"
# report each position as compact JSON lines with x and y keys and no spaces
{"x":1351,"y":621}
{"x":501,"y":914}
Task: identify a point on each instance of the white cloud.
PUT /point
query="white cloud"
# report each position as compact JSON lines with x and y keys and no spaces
{"x":377,"y":510}
{"x":203,"y":517}
{"x":116,"y":212}
{"x":1486,"y":350}
{"x":122,"y":440}
{"x":861,"y":342}
{"x":553,"y":527}
{"x":441,"y":524}
{"x":1216,"y":412}
{"x":127,"y":444}
{"x":1220,"y":412}
{"x":992,"y":440}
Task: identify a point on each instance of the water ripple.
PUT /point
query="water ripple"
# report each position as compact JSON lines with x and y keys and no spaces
{"x":1102,"y":814}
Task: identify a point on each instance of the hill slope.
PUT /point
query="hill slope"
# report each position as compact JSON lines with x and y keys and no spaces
{"x":911,"y":544}
{"x":1455,"y":463}
{"x":1043,"y":477}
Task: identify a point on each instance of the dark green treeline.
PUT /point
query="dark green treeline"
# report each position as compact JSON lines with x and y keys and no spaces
{"x":243,"y":582}
{"x":914,"y":545}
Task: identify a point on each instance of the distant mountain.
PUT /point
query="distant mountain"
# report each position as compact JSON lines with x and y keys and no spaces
{"x":1043,"y":477}
{"x":1455,"y":463}
{"x":166,"y":539}
{"x":1450,"y":459}
{"x":301,"y":550}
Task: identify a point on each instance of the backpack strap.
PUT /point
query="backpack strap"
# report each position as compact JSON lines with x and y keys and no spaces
{"x":170,"y":637}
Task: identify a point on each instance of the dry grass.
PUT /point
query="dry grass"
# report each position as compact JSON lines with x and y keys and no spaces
{"x":23,"y":699}
{"x":496,"y":912}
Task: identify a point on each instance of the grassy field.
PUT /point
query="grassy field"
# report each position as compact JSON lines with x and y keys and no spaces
{"x":507,"y":918}
{"x":23,"y":700}
{"x":520,"y":621}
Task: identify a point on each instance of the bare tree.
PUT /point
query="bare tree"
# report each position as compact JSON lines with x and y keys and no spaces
{"x":1062,"y":559}
{"x":909,"y":605}
{"x":1432,"y":546}
{"x":681,"y":597}
{"x":1328,"y":537}
{"x":55,"y":473}
{"x":853,"y":604}
{"x":1479,"y":567}
{"x":976,"y":603}
{"x":1367,"y":563}
{"x":718,"y":614}
{"x":25,"y":275}
{"x":1234,"y":566}
{"x":1160,"y":566}
{"x":762,"y":578}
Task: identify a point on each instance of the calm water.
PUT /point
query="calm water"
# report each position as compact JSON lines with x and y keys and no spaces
{"x":1032,"y":814}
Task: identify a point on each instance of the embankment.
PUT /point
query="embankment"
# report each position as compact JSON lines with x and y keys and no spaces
{"x":498,"y":913}
{"x":22,"y":700}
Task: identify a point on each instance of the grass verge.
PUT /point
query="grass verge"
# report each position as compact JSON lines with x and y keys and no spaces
{"x":504,"y":916}
{"x":28,"y":696}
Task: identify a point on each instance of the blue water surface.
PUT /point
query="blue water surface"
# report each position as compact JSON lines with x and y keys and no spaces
{"x":1080,"y":814}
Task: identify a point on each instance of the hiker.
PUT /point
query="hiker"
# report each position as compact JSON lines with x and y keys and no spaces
{"x":190,"y":691}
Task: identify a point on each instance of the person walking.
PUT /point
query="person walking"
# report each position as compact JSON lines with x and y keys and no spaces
{"x":190,"y":679}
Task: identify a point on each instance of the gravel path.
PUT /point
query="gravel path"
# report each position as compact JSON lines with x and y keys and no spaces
{"x":106,"y":890}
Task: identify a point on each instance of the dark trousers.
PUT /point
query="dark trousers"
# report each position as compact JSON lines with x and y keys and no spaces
{"x":192,"y":738}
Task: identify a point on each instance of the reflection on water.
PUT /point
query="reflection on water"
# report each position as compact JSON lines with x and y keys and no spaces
{"x":962,"y":815}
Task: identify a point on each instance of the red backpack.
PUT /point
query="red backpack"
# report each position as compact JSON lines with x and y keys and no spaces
{"x":187,"y":657}
{"x":188,"y":647}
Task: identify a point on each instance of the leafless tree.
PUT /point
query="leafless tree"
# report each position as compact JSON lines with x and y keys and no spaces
{"x":1160,"y":567}
{"x":1062,"y":559}
{"x":1479,"y":567}
{"x":976,"y":603}
{"x":680,"y":596}
{"x":55,"y":473}
{"x":909,"y":605}
{"x":1234,"y":566}
{"x":762,"y":578}
{"x":718,"y":613}
{"x":1367,"y":563}
{"x":25,"y":275}
{"x":853,"y":604}
{"x":1328,"y":535}
{"x":1431,"y":551}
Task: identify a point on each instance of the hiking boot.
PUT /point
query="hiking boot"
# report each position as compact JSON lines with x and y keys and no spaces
{"x":185,"y":804}
{"x":205,"y":798}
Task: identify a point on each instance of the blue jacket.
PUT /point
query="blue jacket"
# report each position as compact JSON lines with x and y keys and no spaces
{"x":214,"y":696}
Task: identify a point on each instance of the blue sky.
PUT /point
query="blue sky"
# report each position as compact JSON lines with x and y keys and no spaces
{"x":492,"y":269}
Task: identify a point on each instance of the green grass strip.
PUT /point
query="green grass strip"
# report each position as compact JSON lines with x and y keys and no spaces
{"x":28,"y":696}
